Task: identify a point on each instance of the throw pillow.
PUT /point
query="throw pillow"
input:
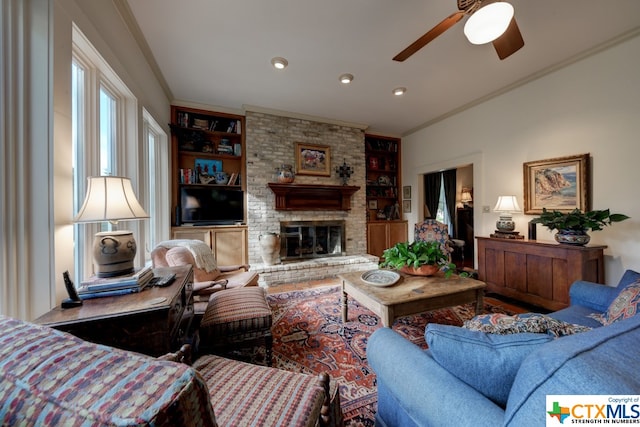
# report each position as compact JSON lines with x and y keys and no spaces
{"x":487,"y":362}
{"x":624,"y":306}
{"x":527,"y":322}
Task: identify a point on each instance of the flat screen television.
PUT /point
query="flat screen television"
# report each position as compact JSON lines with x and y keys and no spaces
{"x":211,"y":205}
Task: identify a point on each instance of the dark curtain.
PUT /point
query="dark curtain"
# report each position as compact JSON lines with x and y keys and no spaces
{"x":432,"y":193}
{"x":449,"y":178}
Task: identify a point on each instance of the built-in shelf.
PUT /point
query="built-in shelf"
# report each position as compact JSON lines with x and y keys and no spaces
{"x":302,"y":197}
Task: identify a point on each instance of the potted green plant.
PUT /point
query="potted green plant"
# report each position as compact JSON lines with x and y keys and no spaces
{"x":573,"y":226}
{"x":418,"y":258}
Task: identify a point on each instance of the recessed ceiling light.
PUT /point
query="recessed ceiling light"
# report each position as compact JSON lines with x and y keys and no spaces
{"x":279,"y":63}
{"x":346,"y":78}
{"x":399,"y":91}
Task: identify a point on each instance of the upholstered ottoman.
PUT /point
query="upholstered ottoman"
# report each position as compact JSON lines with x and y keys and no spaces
{"x":235,"y":316}
{"x":243,"y":394}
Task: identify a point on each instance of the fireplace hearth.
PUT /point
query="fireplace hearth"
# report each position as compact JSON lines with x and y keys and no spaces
{"x":311,"y":239}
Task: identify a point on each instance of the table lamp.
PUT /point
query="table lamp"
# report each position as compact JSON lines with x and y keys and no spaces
{"x":506,"y":206}
{"x":111,"y":198}
{"x":466,"y":198}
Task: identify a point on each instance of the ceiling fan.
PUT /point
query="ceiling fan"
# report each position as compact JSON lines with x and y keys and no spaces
{"x":481,"y":27}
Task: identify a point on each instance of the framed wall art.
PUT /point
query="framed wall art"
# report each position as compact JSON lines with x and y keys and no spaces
{"x":406,"y":192}
{"x":560,"y":184}
{"x":313,"y":159}
{"x":406,"y":206}
{"x":208,"y":166}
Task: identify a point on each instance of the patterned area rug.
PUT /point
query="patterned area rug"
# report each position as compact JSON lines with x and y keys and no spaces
{"x":309,"y":337}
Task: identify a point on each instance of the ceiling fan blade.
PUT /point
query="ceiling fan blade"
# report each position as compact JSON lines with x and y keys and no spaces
{"x":509,"y":42}
{"x":443,"y":26}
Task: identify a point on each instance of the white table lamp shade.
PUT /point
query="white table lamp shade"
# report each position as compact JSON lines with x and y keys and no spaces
{"x":507,"y":204}
{"x":109,"y":198}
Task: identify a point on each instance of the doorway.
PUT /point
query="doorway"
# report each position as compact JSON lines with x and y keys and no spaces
{"x":448,"y":197}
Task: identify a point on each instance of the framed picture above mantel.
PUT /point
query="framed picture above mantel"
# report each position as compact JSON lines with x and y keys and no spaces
{"x":561,"y":184}
{"x":313,"y":159}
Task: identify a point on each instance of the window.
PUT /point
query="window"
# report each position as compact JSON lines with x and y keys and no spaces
{"x":107,"y":108}
{"x":106,"y":141}
{"x":156,"y":146}
{"x":443,"y":215}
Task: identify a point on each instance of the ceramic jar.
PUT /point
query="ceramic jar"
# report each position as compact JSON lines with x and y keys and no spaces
{"x":270,"y":248}
{"x":114,"y":252}
{"x":286,"y":174}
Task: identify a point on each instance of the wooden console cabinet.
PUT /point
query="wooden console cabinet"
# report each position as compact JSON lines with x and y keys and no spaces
{"x":228,"y":242}
{"x":154,"y":321}
{"x":382,"y":235}
{"x":538,"y":273}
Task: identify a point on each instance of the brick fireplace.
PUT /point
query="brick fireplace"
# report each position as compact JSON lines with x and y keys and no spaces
{"x":270,"y":142}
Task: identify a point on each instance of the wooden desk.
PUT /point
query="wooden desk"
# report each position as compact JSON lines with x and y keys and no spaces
{"x":411,"y":295}
{"x":154,"y":321}
{"x":537,"y":272}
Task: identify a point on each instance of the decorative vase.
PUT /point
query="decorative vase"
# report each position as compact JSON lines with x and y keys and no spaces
{"x":285,"y":174}
{"x":221,"y":177}
{"x":114,"y":252}
{"x":572,"y":237}
{"x":423,"y":270}
{"x":270,"y":248}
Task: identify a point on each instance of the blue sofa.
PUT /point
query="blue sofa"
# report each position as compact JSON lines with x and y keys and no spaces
{"x":506,"y":377}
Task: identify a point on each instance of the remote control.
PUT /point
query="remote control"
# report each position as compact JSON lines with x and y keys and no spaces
{"x":163,"y":280}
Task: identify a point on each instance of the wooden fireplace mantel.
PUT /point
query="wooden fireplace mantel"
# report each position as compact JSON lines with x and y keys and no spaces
{"x":303,"y":197}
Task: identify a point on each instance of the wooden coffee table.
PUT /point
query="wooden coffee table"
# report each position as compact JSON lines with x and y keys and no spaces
{"x":411,"y":294}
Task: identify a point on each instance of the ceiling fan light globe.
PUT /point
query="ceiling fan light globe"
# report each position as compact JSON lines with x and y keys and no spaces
{"x":488,"y":23}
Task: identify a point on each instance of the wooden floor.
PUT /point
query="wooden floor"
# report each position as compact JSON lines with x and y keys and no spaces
{"x":492,"y":299}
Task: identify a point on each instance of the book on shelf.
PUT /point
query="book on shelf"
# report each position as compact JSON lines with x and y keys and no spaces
{"x":225,"y":149}
{"x":135,"y":281}
{"x":200,"y":123}
{"x":187,"y":176}
{"x":183,"y":119}
{"x":232,"y":178}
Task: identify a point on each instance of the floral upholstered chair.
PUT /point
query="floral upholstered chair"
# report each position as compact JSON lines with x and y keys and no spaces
{"x":430,"y":230}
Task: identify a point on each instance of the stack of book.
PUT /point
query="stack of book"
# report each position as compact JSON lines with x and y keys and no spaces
{"x":96,"y":287}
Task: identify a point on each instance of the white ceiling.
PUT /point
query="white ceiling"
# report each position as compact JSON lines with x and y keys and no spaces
{"x":218,"y":52}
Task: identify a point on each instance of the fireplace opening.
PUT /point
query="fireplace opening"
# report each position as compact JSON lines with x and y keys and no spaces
{"x":311,"y":239}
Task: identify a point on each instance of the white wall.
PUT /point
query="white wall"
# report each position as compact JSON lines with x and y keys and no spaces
{"x":591,"y":106}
